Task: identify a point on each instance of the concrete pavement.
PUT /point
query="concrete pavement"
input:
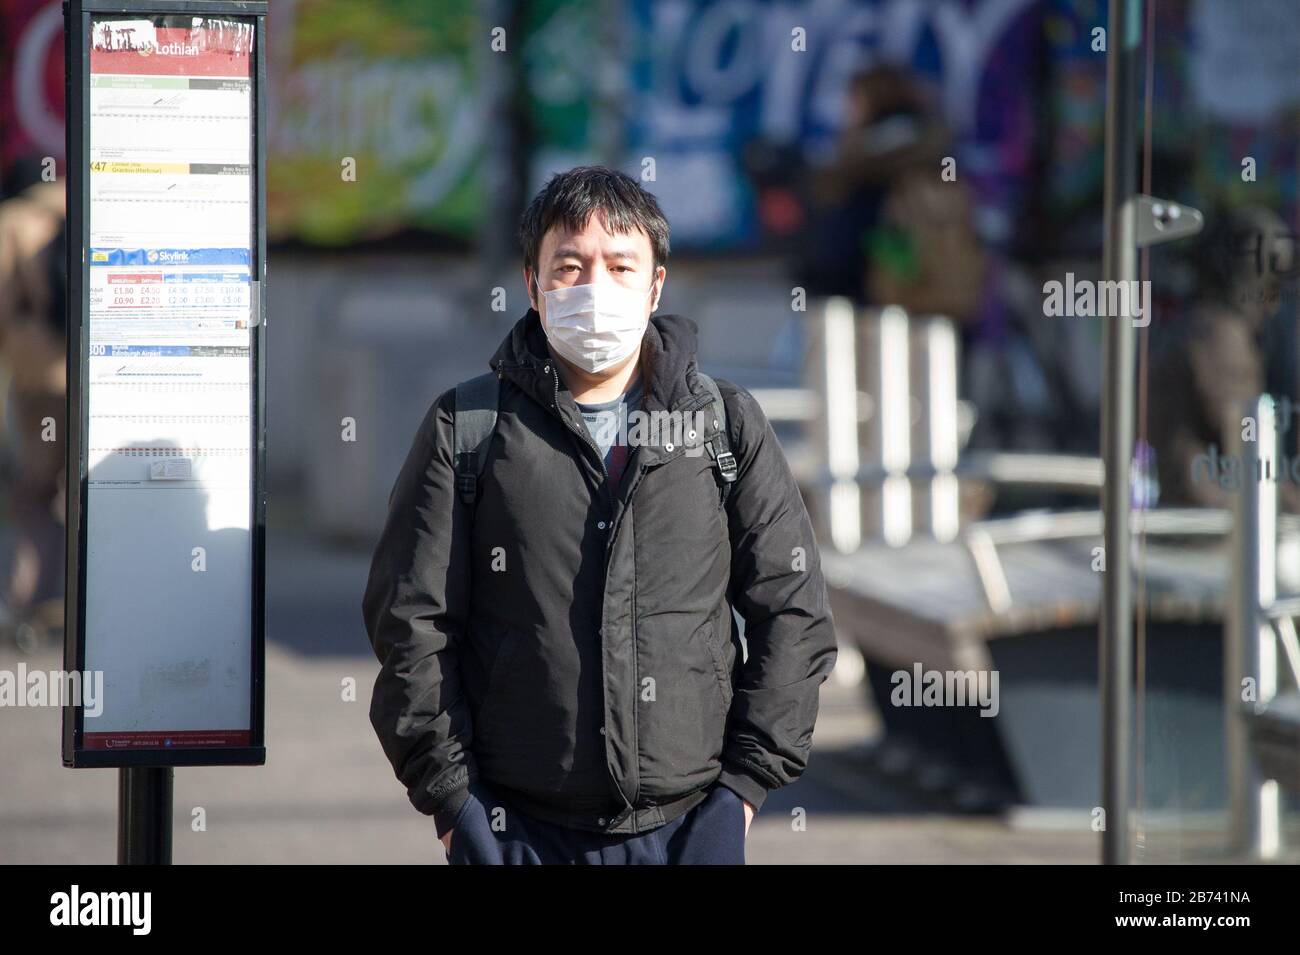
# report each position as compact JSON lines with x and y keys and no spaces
{"x":327,"y":794}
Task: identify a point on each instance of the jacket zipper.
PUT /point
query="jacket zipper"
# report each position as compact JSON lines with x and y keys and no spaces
{"x":584,"y":435}
{"x":609,"y":497}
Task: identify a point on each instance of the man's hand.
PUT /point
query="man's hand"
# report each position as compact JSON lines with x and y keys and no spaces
{"x":749,"y":814}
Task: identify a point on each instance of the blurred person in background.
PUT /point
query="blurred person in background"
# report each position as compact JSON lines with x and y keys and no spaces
{"x":33,"y":345}
{"x":1206,"y":368}
{"x":888,"y":226}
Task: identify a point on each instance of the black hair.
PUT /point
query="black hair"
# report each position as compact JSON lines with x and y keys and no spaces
{"x":571,"y":198}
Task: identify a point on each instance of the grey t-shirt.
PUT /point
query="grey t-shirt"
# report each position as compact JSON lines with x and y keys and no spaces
{"x":607,"y":424}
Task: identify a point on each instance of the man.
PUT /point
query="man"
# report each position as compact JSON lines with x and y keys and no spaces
{"x":561,"y":675}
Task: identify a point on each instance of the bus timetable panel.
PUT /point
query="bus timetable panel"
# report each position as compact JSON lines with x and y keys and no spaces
{"x":166,"y":425}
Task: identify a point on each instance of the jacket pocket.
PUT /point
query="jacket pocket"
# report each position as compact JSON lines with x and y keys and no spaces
{"x":681,"y":727}
{"x":721,"y":668}
{"x":508,"y":642}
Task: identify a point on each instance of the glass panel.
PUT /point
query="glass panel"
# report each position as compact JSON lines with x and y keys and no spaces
{"x":1224,"y":137}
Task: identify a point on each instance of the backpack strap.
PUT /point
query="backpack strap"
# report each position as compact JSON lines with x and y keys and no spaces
{"x":716,"y":441}
{"x":473,"y":424}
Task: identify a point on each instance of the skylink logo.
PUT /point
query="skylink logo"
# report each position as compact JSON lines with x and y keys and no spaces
{"x":946,"y":688}
{"x":1085,"y":299}
{"x":103,"y":908}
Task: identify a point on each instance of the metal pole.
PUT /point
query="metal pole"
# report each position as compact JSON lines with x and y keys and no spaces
{"x":144,"y":815}
{"x":1240,"y":626}
{"x":1119,"y":264}
{"x":1248,"y":648}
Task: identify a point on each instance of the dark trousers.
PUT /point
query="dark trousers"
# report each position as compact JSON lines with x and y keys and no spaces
{"x":490,"y":832}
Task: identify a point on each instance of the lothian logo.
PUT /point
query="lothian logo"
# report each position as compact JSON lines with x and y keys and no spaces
{"x":170,"y":49}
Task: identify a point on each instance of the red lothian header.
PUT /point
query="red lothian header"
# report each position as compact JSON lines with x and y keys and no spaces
{"x":220,"y":50}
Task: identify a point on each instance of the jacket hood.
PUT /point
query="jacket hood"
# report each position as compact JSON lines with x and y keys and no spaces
{"x":668,"y":355}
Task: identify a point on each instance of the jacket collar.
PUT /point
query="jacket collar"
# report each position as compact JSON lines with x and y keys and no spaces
{"x":668,"y":356}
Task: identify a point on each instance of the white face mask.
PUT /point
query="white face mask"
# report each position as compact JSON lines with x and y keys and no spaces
{"x":595,"y":326}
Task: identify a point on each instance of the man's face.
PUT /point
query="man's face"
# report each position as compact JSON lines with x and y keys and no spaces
{"x":594,"y":256}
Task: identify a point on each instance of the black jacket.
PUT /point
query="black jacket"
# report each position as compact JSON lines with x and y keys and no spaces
{"x":573,"y":645}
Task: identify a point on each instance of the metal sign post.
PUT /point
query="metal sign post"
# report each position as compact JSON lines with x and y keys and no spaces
{"x":166,"y":395}
{"x":144,"y":813}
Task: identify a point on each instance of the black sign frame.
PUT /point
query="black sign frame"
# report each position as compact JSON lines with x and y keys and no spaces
{"x":78,"y":15}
